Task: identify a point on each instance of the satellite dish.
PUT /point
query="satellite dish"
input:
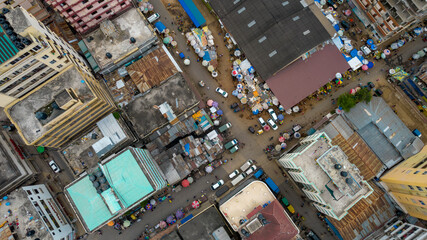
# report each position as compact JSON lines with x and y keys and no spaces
{"x":26,"y":41}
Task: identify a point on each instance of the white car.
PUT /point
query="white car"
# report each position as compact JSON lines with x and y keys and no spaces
{"x":272,"y":124}
{"x":272,"y":114}
{"x":233,"y":174}
{"x":222,"y":92}
{"x":54,"y":166}
{"x":261,"y":121}
{"x":251,"y":169}
{"x":217,"y":185}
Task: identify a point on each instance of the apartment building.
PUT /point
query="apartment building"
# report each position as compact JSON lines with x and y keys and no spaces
{"x":31,"y":55}
{"x":34,"y":7}
{"x":329,"y":179}
{"x":386,"y":17}
{"x":84,"y":15}
{"x":407,"y":184}
{"x":48,"y":210}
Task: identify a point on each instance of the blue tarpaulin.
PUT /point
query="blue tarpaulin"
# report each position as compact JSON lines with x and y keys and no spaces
{"x":193,"y":12}
{"x":337,"y":27}
{"x":160,"y":26}
{"x":353,"y":52}
{"x":334,"y":229}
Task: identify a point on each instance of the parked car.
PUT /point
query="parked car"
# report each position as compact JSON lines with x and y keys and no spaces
{"x":262,"y":122}
{"x":217,"y":184}
{"x":233,"y":174}
{"x":378,"y":92}
{"x":54,"y":166}
{"x":246,"y":165}
{"x":272,"y":124}
{"x":153,"y":17}
{"x":237,"y":109}
{"x":251,"y":169}
{"x":234,"y":105}
{"x":251,"y":129}
{"x":365,"y":50}
{"x":272,"y":114}
{"x":222,"y":92}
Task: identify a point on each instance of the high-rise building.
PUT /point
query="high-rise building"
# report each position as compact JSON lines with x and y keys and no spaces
{"x":30,"y":55}
{"x":47,"y":208}
{"x":84,"y":15}
{"x":384,"y":18}
{"x":62,"y":108}
{"x":330,"y":180}
{"x":35,"y":7}
{"x":407,"y":183}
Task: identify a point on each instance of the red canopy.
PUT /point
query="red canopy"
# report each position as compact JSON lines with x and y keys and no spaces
{"x":185,"y":183}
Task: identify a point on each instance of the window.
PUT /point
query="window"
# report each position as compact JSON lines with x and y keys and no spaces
{"x":85,"y":1}
{"x":97,"y":18}
{"x":69,"y":10}
{"x":94,"y":13}
{"x":37,"y":48}
{"x":36,"y":191}
{"x":410,"y":187}
{"x":422,"y":203}
{"x":425,"y":173}
{"x":74,"y":16}
{"x":100,"y":1}
{"x":419,"y":188}
{"x":45,"y":57}
{"x":80,"y":21}
{"x":29,"y":192}
{"x":105,"y":6}
{"x":90,"y":7}
{"x":52,"y":62}
{"x":59,"y":66}
{"x":108,"y":12}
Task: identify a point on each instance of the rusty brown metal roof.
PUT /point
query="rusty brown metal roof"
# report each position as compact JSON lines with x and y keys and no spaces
{"x":359,"y":154}
{"x":365,"y":216}
{"x":151,"y":70}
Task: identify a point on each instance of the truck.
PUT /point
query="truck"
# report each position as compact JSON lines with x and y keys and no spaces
{"x":259,"y":173}
{"x":230,"y":144}
{"x":234,"y":149}
{"x":225,"y":127}
{"x":239,"y":178}
{"x":246,"y":165}
{"x":272,"y":185}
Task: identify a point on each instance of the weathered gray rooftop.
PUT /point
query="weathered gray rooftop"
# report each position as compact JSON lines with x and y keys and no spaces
{"x":17,"y":19}
{"x":129,"y":24}
{"x":8,"y":170}
{"x":383,"y":131}
{"x":23,"y":112}
{"x":143,"y":114}
{"x":22,"y":209}
{"x":203,"y":225}
{"x":321,"y":153}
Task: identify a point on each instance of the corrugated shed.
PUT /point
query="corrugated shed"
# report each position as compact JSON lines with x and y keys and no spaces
{"x":366,"y":216}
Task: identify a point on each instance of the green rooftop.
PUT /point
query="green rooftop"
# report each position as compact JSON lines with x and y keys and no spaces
{"x":7,"y":49}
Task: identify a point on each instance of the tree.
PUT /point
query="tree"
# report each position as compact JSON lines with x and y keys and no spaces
{"x":363,"y":94}
{"x":346,"y":101}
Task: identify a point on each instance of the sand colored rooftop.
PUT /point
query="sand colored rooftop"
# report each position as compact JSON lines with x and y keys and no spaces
{"x":255,"y":194}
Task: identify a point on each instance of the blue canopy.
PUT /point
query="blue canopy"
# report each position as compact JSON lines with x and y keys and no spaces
{"x":370,"y":42}
{"x":280,"y":117}
{"x":219,"y":112}
{"x":353,"y":53}
{"x":255,"y":112}
{"x":370,"y":64}
{"x":337,"y":27}
{"x":207,"y":57}
{"x":373,"y":47}
{"x":160,"y":26}
{"x":181,"y":55}
{"x":193,"y":12}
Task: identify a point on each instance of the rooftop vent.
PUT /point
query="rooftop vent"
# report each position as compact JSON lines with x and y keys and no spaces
{"x":96,"y":184}
{"x":254,"y":225}
{"x":92,"y":178}
{"x":99,"y":174}
{"x":344,"y":174}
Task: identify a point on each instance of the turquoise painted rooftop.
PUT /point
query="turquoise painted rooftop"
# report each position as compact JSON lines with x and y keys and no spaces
{"x":127,"y":178}
{"x":128,"y":182}
{"x":7,"y":49}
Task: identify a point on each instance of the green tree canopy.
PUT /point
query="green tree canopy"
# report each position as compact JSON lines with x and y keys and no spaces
{"x":346,"y":101}
{"x":363,"y":94}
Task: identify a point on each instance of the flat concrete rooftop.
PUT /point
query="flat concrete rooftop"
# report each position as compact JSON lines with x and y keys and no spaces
{"x":22,"y":210}
{"x":23,"y":112}
{"x":129,"y":24}
{"x":142,"y":112}
{"x":318,"y":165}
{"x":8,"y":170}
{"x":255,"y":194}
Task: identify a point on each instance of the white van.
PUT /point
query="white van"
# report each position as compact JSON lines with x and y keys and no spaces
{"x":246,"y":165}
{"x":233,"y":174}
{"x":238,"y":179}
{"x":153,"y":17}
{"x":262,"y":122}
{"x":251,"y":169}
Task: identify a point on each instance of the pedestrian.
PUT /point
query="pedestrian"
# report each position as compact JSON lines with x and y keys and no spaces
{"x":194,"y":197}
{"x":120,"y":233}
{"x":231,"y":159}
{"x":216,"y":177}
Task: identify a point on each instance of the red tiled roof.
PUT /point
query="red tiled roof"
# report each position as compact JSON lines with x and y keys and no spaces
{"x":280,"y":226}
{"x":303,"y":77}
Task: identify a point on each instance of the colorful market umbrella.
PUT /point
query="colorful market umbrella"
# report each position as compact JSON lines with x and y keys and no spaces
{"x":215,"y":104}
{"x":219,"y":112}
{"x":365,"y":67}
{"x":237,"y":53}
{"x":415,"y":56}
{"x":347,"y":12}
{"x":400,"y":43}
{"x":185,"y":183}
{"x":266,"y":128}
{"x":239,"y":76}
{"x":339,"y":82}
{"x":297,"y":135}
{"x":281,"y":139}
{"x":195,"y":204}
{"x":338,"y":75}
{"x":286,"y":136}
{"x":370,"y":42}
{"x":421,"y":53}
{"x":153,"y":202}
{"x":209,"y":169}
{"x":186,"y":61}
{"x":170,"y":219}
{"x":370,"y":64}
{"x":280,"y":117}
{"x":353,"y":91}
{"x":234,"y":73}
{"x":295,"y":109}
{"x":394,"y":46}
{"x":277,"y":147}
{"x":190,"y":180}
{"x":387,"y":52}
{"x":110,"y":223}
{"x":163,"y":224}
{"x":148,"y":206}
{"x":255,"y":112}
{"x":126,"y":223}
{"x":211,"y":68}
{"x":359,"y":53}
{"x":210,"y":101}
{"x":179,"y":214}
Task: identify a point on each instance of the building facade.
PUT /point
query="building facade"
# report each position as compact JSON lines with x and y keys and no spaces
{"x":48,"y":210}
{"x":316,"y":163}
{"x":407,"y":184}
{"x":31,"y":55}
{"x":399,"y":229}
{"x":386,"y":17}
{"x":84,"y":15}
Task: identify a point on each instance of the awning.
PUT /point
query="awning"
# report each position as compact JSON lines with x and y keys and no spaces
{"x":355,"y":63}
